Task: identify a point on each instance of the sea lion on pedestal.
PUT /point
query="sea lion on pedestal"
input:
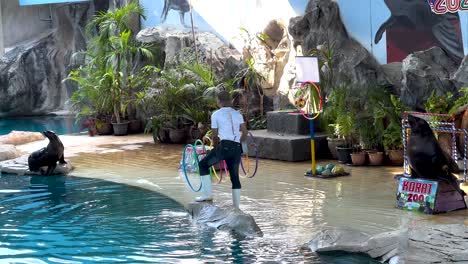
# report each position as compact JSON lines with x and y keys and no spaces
{"x":426,"y":157}
{"x":47,"y":156}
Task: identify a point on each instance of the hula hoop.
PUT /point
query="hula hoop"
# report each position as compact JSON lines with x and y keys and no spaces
{"x":212,"y":168}
{"x":247,"y":172}
{"x":302,"y":112}
{"x":222,"y":166}
{"x":184,"y":166}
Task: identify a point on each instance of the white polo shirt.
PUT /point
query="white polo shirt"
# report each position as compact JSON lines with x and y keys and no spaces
{"x":227,"y":120}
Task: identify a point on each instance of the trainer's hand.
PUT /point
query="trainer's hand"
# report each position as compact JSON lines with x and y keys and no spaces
{"x":215,"y":141}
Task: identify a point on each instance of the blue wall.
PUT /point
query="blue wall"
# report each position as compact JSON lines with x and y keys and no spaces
{"x":42,"y":2}
{"x":224,"y":17}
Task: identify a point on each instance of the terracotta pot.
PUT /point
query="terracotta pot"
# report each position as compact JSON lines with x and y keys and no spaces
{"x":332,"y":144}
{"x":395,"y":156}
{"x":358,"y":158}
{"x":375,"y":158}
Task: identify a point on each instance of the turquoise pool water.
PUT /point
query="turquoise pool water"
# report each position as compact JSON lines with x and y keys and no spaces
{"x":75,"y":220}
{"x":60,"y":124}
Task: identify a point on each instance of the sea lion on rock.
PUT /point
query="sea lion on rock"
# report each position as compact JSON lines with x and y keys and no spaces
{"x":47,"y":156}
{"x":426,"y":157}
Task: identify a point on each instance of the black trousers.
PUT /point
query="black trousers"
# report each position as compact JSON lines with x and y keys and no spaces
{"x":227,"y":150}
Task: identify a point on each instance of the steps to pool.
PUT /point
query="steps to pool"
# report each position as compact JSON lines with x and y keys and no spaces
{"x":287,"y":138}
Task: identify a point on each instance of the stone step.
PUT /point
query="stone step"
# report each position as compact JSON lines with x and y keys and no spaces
{"x":289,"y":147}
{"x":289,"y":123}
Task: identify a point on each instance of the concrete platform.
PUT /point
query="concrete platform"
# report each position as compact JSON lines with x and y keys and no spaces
{"x":288,"y":147}
{"x":287,"y":123}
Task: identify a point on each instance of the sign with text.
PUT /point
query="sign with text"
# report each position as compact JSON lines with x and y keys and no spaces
{"x":417,"y":195}
{"x":448,"y":6}
{"x":44,"y":2}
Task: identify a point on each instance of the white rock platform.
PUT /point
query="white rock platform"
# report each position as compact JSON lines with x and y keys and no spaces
{"x":19,"y":166}
{"x":7,"y":152}
{"x":426,"y":244}
{"x":228,"y":219}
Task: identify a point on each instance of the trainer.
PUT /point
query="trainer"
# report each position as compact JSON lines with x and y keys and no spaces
{"x":227,"y":124}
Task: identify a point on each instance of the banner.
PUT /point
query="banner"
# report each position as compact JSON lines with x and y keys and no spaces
{"x":417,"y":195}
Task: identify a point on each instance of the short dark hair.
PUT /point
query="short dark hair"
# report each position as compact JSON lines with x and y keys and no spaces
{"x":224,"y":97}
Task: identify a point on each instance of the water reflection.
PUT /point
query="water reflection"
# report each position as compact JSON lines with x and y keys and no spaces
{"x":60,"y":124}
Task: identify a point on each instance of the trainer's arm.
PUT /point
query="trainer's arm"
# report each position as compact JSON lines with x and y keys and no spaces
{"x":244,"y":131}
{"x":214,"y":134}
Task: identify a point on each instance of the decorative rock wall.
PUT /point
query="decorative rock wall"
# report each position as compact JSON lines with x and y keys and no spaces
{"x":178,"y":47}
{"x":31,"y":74}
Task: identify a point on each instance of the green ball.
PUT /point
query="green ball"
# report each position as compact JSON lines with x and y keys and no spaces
{"x":338,"y":170}
{"x":326,"y":173}
{"x":319,"y":169}
{"x":329,"y":167}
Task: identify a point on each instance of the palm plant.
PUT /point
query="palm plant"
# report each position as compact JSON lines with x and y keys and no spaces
{"x":116,"y":45}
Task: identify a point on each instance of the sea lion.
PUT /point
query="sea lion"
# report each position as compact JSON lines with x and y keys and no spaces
{"x":182,"y":6}
{"x":47,"y":156}
{"x":417,"y":15}
{"x":426,"y":157}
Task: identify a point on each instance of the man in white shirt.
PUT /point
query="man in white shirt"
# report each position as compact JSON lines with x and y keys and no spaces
{"x":227,"y":124}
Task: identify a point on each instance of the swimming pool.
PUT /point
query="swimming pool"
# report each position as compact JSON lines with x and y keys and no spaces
{"x":76,"y":220}
{"x":60,"y":124}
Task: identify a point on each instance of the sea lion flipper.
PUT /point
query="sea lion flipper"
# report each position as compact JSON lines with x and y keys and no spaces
{"x":451,"y":163}
{"x":62,"y":160}
{"x":383,"y":28}
{"x":50,"y":169}
{"x":447,"y":36}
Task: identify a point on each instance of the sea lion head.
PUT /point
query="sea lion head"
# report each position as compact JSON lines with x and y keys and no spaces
{"x":419,"y":126}
{"x":49,"y":134}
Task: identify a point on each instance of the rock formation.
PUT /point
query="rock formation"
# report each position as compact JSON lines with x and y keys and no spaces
{"x":424,"y":72}
{"x":224,"y":219}
{"x":178,"y":47}
{"x":425,"y":244}
{"x":321,"y":25}
{"x":20,"y":137}
{"x":31,"y":74}
{"x":7,"y":152}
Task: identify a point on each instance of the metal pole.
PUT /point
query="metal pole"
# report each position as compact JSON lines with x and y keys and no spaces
{"x":312,"y":146}
{"x":193,"y":31}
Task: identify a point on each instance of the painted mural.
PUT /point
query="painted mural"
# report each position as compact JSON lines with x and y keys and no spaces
{"x":389,"y":29}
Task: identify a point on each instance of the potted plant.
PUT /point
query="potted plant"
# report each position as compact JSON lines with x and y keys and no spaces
{"x":343,"y":108}
{"x":199,"y":119}
{"x":370,"y":127}
{"x":393,"y":143}
{"x":104,"y":126}
{"x":348,"y":133}
{"x":334,"y":140}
